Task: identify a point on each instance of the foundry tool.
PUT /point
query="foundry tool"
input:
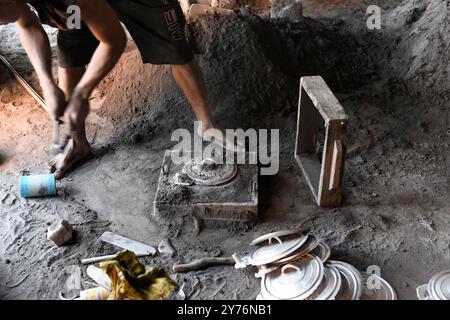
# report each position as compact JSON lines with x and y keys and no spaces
{"x":202,"y":264}
{"x":56,"y":147}
{"x":109,"y":257}
{"x":140,"y":249}
{"x":127,"y":244}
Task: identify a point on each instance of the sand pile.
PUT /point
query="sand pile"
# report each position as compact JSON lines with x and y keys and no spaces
{"x":252,"y":67}
{"x":422,"y":45}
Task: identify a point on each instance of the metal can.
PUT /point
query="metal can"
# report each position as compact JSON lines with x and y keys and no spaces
{"x":37,"y":185}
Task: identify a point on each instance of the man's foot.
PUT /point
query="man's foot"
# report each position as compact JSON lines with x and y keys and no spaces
{"x":218,"y":136}
{"x":73,"y":154}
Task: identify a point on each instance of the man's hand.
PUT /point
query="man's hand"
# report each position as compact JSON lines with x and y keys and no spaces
{"x":55,"y":100}
{"x":76,"y":112}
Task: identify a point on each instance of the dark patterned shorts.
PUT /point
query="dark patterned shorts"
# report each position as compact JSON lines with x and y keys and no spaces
{"x":158,"y":28}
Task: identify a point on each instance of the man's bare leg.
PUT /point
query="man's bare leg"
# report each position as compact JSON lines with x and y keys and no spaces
{"x":189,"y":77}
{"x":77,"y":147}
{"x":69,"y":78}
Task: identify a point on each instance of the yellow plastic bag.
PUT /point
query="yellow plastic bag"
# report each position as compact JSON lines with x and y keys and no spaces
{"x":132,"y":281}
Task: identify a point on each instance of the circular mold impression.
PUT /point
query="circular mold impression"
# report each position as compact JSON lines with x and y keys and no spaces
{"x":210,"y":172}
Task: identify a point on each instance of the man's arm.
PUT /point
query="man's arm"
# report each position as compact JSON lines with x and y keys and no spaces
{"x":37,"y":46}
{"x":105,"y":26}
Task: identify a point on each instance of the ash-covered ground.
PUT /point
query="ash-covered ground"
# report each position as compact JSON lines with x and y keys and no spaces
{"x":392,"y":82}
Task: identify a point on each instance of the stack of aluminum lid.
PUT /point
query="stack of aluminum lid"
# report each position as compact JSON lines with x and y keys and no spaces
{"x":295,"y":266}
{"x":438,"y":288}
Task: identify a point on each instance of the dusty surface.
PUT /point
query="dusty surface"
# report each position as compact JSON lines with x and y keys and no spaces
{"x":392,"y":82}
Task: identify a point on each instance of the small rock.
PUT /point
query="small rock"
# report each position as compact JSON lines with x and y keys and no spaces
{"x":166,"y":248}
{"x":7,"y":261}
{"x":60,"y":232}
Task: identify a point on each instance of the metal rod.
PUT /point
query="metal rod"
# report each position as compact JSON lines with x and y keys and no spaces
{"x":203,"y":263}
{"x":24,"y":84}
{"x":109,"y":257}
{"x":56,"y":147}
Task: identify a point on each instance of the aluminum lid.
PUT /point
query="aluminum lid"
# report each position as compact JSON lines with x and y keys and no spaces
{"x":439,"y":286}
{"x":264,"y":295}
{"x":210,"y":172}
{"x":352,"y":286}
{"x":275,"y":251}
{"x":276,"y":234}
{"x":376,"y":288}
{"x":296,"y":280}
{"x":264,"y":269}
{"x":310,"y":244}
{"x":322,"y":251}
{"x":330,"y":286}
{"x":260,"y":297}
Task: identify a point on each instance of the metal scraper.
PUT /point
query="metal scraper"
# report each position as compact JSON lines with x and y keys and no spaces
{"x":128,"y":244}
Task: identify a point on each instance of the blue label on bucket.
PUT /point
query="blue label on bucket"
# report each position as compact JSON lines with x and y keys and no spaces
{"x":37,"y":185}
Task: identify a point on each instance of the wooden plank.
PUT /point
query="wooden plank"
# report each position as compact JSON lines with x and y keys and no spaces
{"x":323,"y":98}
{"x":336,"y":131}
{"x":336,"y":165}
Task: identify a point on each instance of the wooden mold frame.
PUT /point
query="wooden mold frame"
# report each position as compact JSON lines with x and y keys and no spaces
{"x":325,"y":178}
